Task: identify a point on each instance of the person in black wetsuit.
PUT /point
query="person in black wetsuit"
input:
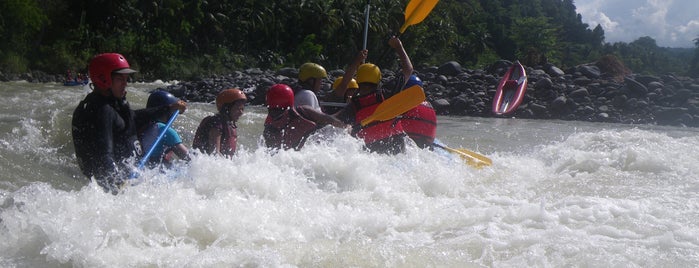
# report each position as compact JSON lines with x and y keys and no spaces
{"x":104,"y":127}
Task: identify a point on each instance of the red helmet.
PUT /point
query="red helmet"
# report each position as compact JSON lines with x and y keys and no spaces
{"x":103,"y":65}
{"x":280,"y":96}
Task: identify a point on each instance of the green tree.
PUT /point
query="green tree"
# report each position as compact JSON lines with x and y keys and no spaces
{"x":20,"y":22}
{"x":536,"y":40}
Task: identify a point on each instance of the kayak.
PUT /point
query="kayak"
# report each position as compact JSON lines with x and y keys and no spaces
{"x":511,"y":89}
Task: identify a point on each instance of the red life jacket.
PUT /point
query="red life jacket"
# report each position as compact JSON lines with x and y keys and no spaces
{"x":229,"y":135}
{"x":420,"y":123}
{"x":288,"y":130}
{"x":377,"y":130}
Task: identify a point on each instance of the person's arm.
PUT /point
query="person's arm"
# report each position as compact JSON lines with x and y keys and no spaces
{"x":147,"y":115}
{"x":104,"y":121}
{"x":173,"y":141}
{"x":346,"y":114}
{"x":181,"y":152}
{"x":107,"y":173}
{"x":214,"y":142}
{"x":320,"y":117}
{"x":406,"y":65}
{"x":352,"y":69}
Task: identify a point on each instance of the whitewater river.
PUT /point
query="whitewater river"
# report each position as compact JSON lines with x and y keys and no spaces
{"x":559,"y":194}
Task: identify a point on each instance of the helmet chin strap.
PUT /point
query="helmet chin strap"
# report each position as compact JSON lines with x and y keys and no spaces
{"x":226,"y":111}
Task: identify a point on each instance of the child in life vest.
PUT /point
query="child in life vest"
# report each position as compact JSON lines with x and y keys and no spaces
{"x":218,"y":134}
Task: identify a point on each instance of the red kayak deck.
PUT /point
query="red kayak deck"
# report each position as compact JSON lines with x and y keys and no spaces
{"x":511,"y":89}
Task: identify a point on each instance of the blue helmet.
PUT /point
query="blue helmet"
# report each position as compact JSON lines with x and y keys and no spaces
{"x":160,"y":98}
{"x":413,"y":80}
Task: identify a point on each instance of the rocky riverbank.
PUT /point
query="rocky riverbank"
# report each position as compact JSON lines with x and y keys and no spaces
{"x":587,"y":92}
{"x":581,"y":93}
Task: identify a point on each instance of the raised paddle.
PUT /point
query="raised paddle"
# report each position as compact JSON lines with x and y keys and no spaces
{"x":472,"y":158}
{"x":155,"y":144}
{"x":397,"y":105}
{"x":415,"y":12}
{"x":366,"y":24}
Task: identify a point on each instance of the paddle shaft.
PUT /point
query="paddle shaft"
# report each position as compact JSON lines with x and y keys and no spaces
{"x":366,"y":25}
{"x":157,"y":141}
{"x":472,"y":158}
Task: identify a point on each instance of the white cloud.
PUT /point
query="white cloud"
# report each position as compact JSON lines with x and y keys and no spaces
{"x":691,"y":26}
{"x":606,"y":23}
{"x":671,"y":23}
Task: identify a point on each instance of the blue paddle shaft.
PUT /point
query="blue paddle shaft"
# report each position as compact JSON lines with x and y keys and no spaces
{"x":160,"y":137}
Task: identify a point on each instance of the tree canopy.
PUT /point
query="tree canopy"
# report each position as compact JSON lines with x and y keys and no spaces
{"x":178,"y":39}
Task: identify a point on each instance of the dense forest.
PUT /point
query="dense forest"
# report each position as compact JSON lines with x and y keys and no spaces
{"x":179,"y":39}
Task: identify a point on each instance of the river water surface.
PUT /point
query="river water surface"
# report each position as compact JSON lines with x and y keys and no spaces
{"x":558,"y":194}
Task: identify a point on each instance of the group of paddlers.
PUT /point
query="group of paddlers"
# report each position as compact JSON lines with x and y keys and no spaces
{"x":107,"y":133}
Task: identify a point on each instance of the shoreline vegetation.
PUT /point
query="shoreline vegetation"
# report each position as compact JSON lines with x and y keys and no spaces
{"x":186,"y":40}
{"x":460,"y":50}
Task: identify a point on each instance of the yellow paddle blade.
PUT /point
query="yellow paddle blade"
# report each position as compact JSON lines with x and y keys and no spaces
{"x":417,"y":11}
{"x":482,"y":159}
{"x":473,"y":159}
{"x":397,"y":105}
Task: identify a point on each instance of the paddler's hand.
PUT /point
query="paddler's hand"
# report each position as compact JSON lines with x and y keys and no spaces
{"x":361,"y":56}
{"x":179,"y":105}
{"x":395,"y":43}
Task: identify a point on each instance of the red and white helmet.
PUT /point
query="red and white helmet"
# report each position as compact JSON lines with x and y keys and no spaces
{"x":103,"y":65}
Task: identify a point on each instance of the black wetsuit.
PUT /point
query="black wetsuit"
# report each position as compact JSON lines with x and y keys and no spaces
{"x":104,"y":137}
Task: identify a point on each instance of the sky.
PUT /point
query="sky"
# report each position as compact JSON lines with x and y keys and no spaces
{"x":671,"y":23}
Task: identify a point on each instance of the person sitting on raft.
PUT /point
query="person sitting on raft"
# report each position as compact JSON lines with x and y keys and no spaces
{"x":288,"y":126}
{"x":104,"y":127}
{"x":340,"y":95}
{"x":420,"y":123}
{"x":386,"y":137}
{"x":218,"y":134}
{"x":311,"y":80}
{"x":171,"y":143}
{"x":341,"y":92}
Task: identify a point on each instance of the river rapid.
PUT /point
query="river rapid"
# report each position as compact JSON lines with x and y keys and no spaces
{"x":559,"y":194}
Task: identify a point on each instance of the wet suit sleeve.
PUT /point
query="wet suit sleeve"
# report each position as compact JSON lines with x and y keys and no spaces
{"x":107,"y":174}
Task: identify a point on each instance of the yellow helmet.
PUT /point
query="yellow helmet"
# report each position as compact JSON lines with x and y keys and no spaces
{"x":311,"y":70}
{"x":352,"y":84}
{"x":368,"y":73}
